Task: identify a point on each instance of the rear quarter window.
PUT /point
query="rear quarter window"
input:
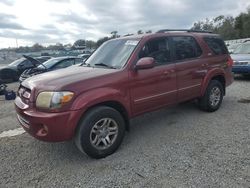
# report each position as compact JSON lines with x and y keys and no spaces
{"x":216,"y":45}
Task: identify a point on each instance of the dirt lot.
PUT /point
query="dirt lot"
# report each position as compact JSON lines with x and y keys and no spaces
{"x":175,"y":147}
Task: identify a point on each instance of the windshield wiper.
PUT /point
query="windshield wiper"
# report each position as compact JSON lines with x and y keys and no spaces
{"x":105,"y":65}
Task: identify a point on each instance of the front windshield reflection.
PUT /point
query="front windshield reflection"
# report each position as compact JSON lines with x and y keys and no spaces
{"x":113,"y":53}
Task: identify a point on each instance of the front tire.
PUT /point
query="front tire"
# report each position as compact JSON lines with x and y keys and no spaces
{"x":100,"y":132}
{"x":212,"y":99}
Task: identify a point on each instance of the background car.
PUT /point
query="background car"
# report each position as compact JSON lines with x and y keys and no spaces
{"x":232,"y":47}
{"x":241,"y":57}
{"x":13,"y":71}
{"x":84,"y":56}
{"x":50,"y":65}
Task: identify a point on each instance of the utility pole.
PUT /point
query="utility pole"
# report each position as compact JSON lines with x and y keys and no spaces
{"x":16,"y":43}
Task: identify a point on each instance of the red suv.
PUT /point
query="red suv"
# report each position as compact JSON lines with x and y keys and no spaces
{"x":125,"y":77}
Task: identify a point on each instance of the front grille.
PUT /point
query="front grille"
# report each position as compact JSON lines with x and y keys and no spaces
{"x":240,"y":63}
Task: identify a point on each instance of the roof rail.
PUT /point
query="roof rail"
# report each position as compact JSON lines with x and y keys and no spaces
{"x":187,"y":30}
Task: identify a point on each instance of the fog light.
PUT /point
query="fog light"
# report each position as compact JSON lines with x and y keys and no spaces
{"x":43,"y":131}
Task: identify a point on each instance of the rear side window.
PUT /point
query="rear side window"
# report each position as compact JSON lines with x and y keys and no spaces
{"x":65,"y":63}
{"x":78,"y":60}
{"x":186,"y":47}
{"x":217,"y":45}
{"x":26,"y":64}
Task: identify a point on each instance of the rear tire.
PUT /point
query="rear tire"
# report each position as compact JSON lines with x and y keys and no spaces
{"x":100,"y":132}
{"x":213,"y":96}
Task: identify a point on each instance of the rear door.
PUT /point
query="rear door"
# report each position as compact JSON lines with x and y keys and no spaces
{"x":156,"y":87}
{"x":219,"y":58}
{"x":190,"y":69}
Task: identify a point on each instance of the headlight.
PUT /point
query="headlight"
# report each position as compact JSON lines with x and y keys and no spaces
{"x":53,"y":100}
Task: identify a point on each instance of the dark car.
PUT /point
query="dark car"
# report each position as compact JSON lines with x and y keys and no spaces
{"x":50,"y":65}
{"x":92,"y":103}
{"x":13,"y":71}
{"x":241,"y":58}
{"x":84,"y":56}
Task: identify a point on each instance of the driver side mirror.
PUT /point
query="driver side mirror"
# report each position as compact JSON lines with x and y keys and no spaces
{"x":145,"y":63}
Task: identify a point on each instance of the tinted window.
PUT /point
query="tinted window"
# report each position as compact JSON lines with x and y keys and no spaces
{"x":43,"y":59}
{"x":51,"y":62}
{"x":78,"y":60}
{"x":186,"y":47}
{"x":64,"y":63}
{"x":216,"y":45}
{"x":158,"y":49}
{"x":17,"y":62}
{"x":26,"y":64}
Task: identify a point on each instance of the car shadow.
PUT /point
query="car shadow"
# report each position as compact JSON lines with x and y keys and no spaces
{"x":147,"y":124}
{"x":242,"y":77}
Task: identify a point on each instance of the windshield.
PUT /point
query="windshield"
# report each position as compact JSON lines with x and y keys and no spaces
{"x":243,"y":49}
{"x":17,"y":62}
{"x":48,"y":64}
{"x":233,"y":46}
{"x":114,"y":53}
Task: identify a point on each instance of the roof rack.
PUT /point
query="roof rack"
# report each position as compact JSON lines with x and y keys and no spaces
{"x":187,"y":30}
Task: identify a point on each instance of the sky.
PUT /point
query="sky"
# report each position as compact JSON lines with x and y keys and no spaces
{"x":25,"y":22}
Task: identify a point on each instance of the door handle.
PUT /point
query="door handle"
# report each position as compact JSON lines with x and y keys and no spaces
{"x":166,"y":73}
{"x":204,"y":65}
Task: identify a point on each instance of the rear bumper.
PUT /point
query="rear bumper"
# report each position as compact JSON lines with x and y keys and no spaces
{"x":241,"y":69}
{"x":45,"y":126}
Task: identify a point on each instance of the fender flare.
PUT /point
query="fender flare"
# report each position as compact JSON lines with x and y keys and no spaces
{"x":210,"y":74}
{"x":97,"y":96}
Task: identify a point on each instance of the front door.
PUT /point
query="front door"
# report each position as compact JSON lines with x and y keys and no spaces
{"x":156,"y":87}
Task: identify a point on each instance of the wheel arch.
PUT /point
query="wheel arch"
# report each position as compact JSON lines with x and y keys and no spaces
{"x":117,"y":106}
{"x":222,"y":80}
{"x":218,"y":75}
{"x":112,"y":104}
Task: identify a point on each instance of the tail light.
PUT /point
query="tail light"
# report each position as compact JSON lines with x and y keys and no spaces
{"x":230,"y":61}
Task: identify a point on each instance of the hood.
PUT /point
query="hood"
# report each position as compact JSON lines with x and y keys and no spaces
{"x":7,"y":67}
{"x":3,"y":66}
{"x":240,"y":57}
{"x":32,"y":60}
{"x":62,"y":78}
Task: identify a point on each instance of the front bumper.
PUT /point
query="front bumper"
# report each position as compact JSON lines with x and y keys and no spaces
{"x":241,"y":69}
{"x":45,"y":126}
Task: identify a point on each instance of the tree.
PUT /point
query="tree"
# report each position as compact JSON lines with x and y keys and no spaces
{"x":221,"y":24}
{"x":148,"y":31}
{"x":242,"y":24}
{"x":139,"y":32}
{"x":37,"y":47}
{"x":114,"y":34}
{"x":101,"y":40}
{"x":225,"y":27}
{"x":90,"y":44}
{"x":204,"y":25}
{"x":80,"y":43}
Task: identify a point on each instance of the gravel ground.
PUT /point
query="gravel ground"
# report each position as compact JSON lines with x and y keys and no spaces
{"x":175,"y":147}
